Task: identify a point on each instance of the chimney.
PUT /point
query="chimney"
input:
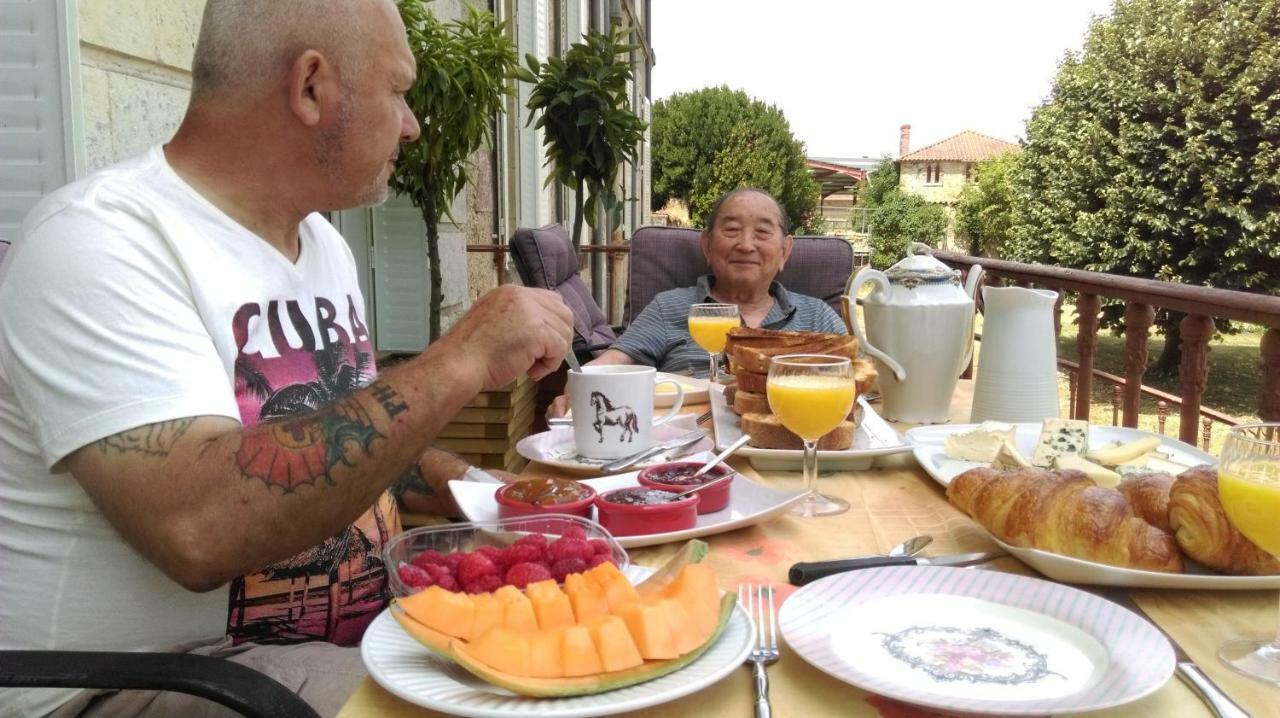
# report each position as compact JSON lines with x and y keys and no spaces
{"x":904,"y":141}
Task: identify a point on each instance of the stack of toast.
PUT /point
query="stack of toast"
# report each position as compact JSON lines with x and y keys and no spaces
{"x":749,"y":351}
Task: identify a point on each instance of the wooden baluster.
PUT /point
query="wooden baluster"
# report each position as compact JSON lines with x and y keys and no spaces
{"x":1269,"y":399}
{"x":1206,"y":433}
{"x":1162,"y":414}
{"x":1057,"y":316}
{"x":1117,"y":392}
{"x":1087,"y":306}
{"x":1193,"y":373}
{"x":1072,"y":386}
{"x":1138,"y":319}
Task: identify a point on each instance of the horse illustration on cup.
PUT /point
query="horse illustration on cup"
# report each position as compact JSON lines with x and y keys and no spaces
{"x":609,"y":415}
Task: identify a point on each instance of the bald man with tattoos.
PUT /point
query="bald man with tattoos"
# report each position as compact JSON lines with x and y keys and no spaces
{"x":191,"y":420}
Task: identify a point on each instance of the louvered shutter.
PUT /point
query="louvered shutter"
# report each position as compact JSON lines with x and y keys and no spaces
{"x":401,"y":285}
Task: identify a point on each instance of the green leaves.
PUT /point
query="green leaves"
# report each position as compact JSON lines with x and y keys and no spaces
{"x":580,"y":102}
{"x":895,"y":219}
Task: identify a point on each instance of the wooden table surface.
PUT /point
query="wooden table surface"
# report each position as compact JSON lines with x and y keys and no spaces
{"x":888,"y":504}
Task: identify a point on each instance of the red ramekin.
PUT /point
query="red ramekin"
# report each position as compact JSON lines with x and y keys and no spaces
{"x":713,"y":499}
{"x":509,"y":507}
{"x":633,"y":519}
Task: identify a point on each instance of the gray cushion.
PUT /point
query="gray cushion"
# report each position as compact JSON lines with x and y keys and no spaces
{"x":545,"y":257}
{"x":664,"y":258}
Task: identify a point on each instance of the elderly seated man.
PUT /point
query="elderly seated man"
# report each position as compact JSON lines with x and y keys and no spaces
{"x":746,"y":244}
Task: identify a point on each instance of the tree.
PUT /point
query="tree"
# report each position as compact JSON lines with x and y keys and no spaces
{"x":984,"y":212}
{"x":589,"y":130}
{"x":895,"y":219}
{"x":714,"y":140}
{"x":463,"y":72}
{"x":1157,"y":155}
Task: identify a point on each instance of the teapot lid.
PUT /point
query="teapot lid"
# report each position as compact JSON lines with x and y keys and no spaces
{"x":919,"y":267}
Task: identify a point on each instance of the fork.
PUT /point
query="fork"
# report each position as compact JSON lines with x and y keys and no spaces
{"x":765,"y":653}
{"x":706,"y":416}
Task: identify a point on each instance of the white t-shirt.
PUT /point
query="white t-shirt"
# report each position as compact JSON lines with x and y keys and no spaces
{"x":131,"y":300}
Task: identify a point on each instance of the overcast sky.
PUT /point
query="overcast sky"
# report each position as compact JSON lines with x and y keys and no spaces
{"x":847,"y":73}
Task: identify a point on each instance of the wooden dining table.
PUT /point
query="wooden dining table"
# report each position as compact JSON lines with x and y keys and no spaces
{"x":890,"y":502}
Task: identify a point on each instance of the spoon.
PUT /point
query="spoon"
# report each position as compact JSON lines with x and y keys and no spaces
{"x":722,"y":455}
{"x":910,"y":547}
{"x":696,"y":489}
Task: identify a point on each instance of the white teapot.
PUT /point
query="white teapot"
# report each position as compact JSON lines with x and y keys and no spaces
{"x":920,"y":329}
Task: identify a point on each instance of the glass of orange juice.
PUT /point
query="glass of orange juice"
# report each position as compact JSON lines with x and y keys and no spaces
{"x":811,"y":394}
{"x":709,"y":325}
{"x":1249,"y":486}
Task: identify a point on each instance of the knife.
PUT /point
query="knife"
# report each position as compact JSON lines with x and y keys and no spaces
{"x":679,"y":442}
{"x":1187,"y":670}
{"x":802,"y":573}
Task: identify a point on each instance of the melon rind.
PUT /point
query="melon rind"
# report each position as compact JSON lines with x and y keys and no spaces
{"x":589,"y":685}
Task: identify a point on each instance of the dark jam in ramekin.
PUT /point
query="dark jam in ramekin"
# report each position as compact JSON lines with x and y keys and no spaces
{"x":682,"y":475}
{"x":638,"y":497}
{"x":546,"y":492}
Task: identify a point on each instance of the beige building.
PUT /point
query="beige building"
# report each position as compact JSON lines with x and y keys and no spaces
{"x":92,"y":82}
{"x":938,"y":172}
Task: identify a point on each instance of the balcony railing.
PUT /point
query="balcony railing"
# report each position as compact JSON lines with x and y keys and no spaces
{"x":1142,"y":298}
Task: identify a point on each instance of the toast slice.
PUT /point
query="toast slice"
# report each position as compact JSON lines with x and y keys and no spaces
{"x":749,"y":402}
{"x":751,"y":381}
{"x":756,"y":358}
{"x":769,"y":433}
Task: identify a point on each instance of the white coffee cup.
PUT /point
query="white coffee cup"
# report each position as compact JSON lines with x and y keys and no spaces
{"x":613,"y":409}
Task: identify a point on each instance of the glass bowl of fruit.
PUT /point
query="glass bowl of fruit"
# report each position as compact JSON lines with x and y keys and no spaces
{"x":483,"y":556}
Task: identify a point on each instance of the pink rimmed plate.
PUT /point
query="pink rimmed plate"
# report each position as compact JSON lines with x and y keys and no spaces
{"x":976,"y":641}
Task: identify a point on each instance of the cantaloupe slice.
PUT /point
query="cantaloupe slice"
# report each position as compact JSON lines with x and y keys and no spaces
{"x":550,"y":605}
{"x":614,"y":644}
{"x":647,"y":624}
{"x":445,"y":611}
{"x":592,"y":683}
{"x":587,"y":598}
{"x":618,"y":591}
{"x":489,"y":613}
{"x":578,"y":652}
{"x":683,"y":634}
{"x":424,"y":634}
{"x":695,"y":588}
{"x":504,"y":649}
{"x":546,"y":653}
{"x":517,"y":611}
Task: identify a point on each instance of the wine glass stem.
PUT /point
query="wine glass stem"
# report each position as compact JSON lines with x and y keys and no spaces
{"x":811,"y":469}
{"x":715,"y":367}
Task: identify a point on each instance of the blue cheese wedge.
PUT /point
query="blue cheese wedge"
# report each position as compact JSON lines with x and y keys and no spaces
{"x":1059,"y":437}
{"x":980,"y":444}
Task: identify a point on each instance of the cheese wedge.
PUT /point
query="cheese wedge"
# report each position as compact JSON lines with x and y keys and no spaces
{"x":980,"y":444}
{"x":1008,"y":457}
{"x":1101,"y":475}
{"x":1059,"y":437}
{"x":1116,"y":455}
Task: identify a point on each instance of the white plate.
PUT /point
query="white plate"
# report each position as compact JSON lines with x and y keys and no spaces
{"x":409,"y":670}
{"x":554,"y":447}
{"x":927,"y":445}
{"x":695,"y":390}
{"x":1054,"y":649}
{"x":873,"y":437}
{"x":749,"y":503}
{"x":1076,"y":570}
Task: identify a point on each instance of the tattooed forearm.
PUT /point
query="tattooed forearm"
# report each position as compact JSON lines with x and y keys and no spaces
{"x":389,"y":399}
{"x":152,"y":439}
{"x":302,"y":450}
{"x":412,"y":482}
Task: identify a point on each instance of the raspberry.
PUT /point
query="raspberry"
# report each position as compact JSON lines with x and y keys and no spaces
{"x":453,"y":559}
{"x":537,"y":540}
{"x":523,"y":574}
{"x":598,"y":559}
{"x":414,"y":576}
{"x":522,"y":553}
{"x":448,"y":583}
{"x":600,"y":547}
{"x":574,"y":532}
{"x":438,"y":573}
{"x":474,"y":566}
{"x":494,"y":554}
{"x":427,"y":557}
{"x":566,"y":566}
{"x":563,"y":548}
{"x":485,"y":584}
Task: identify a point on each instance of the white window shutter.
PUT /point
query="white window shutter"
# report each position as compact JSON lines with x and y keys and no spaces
{"x":39,"y":150}
{"x":401,"y":286}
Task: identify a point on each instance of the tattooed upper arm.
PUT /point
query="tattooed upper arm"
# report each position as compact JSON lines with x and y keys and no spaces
{"x":150,"y":440}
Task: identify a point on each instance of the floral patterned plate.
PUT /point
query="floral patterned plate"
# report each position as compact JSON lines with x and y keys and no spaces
{"x":976,"y":641}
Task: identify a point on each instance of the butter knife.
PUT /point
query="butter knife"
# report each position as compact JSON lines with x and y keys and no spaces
{"x":679,"y":442}
{"x":1187,"y":670}
{"x":802,"y":573}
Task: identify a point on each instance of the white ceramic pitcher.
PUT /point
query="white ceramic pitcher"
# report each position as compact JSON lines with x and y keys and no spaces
{"x":919,"y":328}
{"x":1018,"y":364}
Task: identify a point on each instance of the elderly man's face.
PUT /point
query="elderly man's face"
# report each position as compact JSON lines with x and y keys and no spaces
{"x":364,"y":139}
{"x":747,"y":247}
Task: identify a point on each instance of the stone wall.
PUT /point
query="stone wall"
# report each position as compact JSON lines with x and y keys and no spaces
{"x":912,"y":176}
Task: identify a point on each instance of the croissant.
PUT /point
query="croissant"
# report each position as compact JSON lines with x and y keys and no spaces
{"x":1206,"y":534}
{"x":1148,"y":494}
{"x":1063,"y":512}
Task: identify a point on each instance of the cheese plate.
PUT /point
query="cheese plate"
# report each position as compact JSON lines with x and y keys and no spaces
{"x":928,"y":446}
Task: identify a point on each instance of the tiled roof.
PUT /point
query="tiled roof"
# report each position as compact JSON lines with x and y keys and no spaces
{"x":968,"y":146}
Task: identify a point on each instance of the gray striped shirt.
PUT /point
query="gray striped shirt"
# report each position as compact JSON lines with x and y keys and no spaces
{"x":659,"y":335}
